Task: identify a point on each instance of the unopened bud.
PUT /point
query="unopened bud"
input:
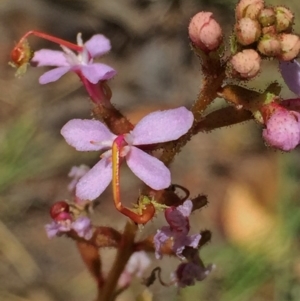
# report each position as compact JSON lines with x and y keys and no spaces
{"x":284,"y":19}
{"x":290,"y":46}
{"x":247,"y":31}
{"x":248,"y":9}
{"x":246,"y":64}
{"x":58,"y":208}
{"x":267,"y":17}
{"x":269,"y":45}
{"x":205,"y":32}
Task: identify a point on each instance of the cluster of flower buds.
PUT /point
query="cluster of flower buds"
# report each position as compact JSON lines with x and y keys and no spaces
{"x":261,"y":32}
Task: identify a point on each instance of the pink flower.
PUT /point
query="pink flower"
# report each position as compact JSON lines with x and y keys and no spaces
{"x":135,"y":267}
{"x":179,"y":226}
{"x":290,"y":72}
{"x":93,"y":135}
{"x":82,"y":226}
{"x":82,"y":63}
{"x":282,"y":128}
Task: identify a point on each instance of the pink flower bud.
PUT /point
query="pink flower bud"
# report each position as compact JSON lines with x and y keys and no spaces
{"x":205,"y":32}
{"x":267,"y":17}
{"x":290,"y":46}
{"x":246,"y":64}
{"x":269,"y":45}
{"x":247,"y":31}
{"x":58,"y":208}
{"x":248,"y":9}
{"x":282,"y":127}
{"x":284,"y":19}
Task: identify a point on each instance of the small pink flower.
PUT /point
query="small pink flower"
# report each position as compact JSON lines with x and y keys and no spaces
{"x":135,"y":267}
{"x":282,"y":128}
{"x":81,"y":63}
{"x":179,"y":226}
{"x":290,"y":72}
{"x":82,"y":226}
{"x":93,"y":135}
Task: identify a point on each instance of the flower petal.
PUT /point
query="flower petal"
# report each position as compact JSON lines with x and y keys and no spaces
{"x":97,"y":45}
{"x":162,"y":126}
{"x":186,"y":208}
{"x":93,"y":183}
{"x":47,"y":57}
{"x":81,"y":133}
{"x":96,"y":72}
{"x":53,"y":75}
{"x":149,"y":169}
{"x":290,"y":72}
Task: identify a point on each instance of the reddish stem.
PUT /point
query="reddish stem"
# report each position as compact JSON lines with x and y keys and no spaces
{"x":149,"y":210}
{"x":52,"y":39}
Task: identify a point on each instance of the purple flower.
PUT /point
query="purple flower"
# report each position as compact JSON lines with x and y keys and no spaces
{"x":290,"y":72}
{"x":282,"y":128}
{"x":189,"y":272}
{"x":82,"y":63}
{"x":179,"y":226}
{"x":93,"y":135}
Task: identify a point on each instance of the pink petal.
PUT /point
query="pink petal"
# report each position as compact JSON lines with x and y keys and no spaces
{"x":186,"y":208}
{"x":53,"y":75}
{"x":149,"y":169}
{"x":46,"y":57}
{"x":80,"y":133}
{"x":96,"y":72}
{"x":162,"y":126}
{"x":97,"y":45}
{"x":92,"y":184}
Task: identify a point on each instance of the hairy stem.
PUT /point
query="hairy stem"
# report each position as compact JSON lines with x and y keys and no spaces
{"x":125,"y":250}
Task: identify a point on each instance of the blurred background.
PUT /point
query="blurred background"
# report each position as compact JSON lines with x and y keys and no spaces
{"x":253,"y":192}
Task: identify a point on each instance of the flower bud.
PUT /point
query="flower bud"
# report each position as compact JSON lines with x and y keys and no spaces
{"x":58,"y":208}
{"x":284,"y":19}
{"x":290,"y":46}
{"x":248,"y":9}
{"x":269,"y":45}
{"x":282,"y":127}
{"x":267,"y":17}
{"x":205,"y":32}
{"x":247,"y":31}
{"x":246,"y":64}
